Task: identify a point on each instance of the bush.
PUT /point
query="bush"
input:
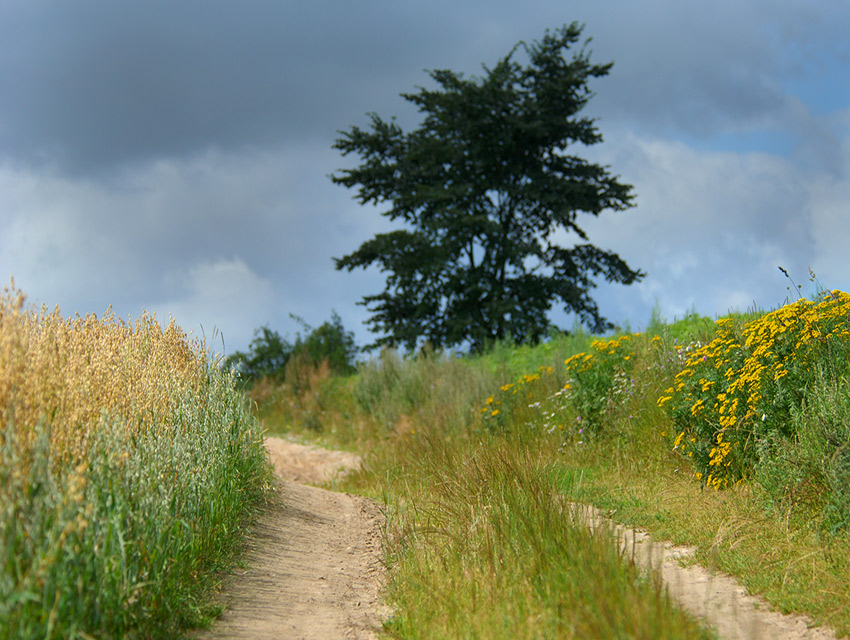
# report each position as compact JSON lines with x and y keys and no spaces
{"x":592,"y":378}
{"x":269,"y":353}
{"x":266,"y":357}
{"x":740,"y":391}
{"x":330,"y":343}
{"x":811,"y":467}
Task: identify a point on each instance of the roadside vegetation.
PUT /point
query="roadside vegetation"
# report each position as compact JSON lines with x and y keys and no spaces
{"x":129,"y":462}
{"x":730,"y":435}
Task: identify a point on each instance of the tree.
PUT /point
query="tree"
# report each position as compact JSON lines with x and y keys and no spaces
{"x":329,"y":342}
{"x":483,"y":187}
{"x":269,"y":353}
{"x":267,"y":356}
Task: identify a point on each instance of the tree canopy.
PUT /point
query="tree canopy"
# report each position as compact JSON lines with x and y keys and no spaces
{"x":483,"y":190}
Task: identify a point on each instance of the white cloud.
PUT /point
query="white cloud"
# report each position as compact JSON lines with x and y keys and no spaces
{"x":710,"y":228}
{"x":220,"y":298}
{"x":159,"y":232}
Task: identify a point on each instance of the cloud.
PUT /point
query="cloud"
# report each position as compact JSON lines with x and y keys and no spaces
{"x":710,"y":228}
{"x":152,"y":154}
{"x":828,"y":215}
{"x":686,"y":70}
{"x":96,"y":85}
{"x":86,"y":245}
{"x":221,"y":300}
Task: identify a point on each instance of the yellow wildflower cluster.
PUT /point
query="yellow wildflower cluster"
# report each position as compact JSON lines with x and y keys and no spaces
{"x":75,"y":371}
{"x":593,"y":378}
{"x":744,"y":383}
{"x":521,"y":388}
{"x":604,"y":349}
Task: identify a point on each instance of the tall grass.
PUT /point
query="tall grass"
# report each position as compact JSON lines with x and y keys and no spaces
{"x":481,"y":542}
{"x":486,"y":546}
{"x":128,"y":463}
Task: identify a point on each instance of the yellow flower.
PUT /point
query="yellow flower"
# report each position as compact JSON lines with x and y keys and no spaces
{"x":697,"y":407}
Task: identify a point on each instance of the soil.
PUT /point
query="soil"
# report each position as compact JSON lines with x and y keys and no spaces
{"x":314,"y":563}
{"x":314,"y":566}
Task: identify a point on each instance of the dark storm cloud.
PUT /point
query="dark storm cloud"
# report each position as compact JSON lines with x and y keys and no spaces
{"x":174,"y":155}
{"x":95,"y":84}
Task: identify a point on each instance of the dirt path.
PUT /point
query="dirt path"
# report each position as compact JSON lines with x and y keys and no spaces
{"x":314,"y":562}
{"x":714,"y":597}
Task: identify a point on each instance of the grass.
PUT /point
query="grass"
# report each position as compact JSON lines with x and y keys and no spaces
{"x":485,"y":546}
{"x":475,"y":457}
{"x":480,"y":544}
{"x":128,"y":465}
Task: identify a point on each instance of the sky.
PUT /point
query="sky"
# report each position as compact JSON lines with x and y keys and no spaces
{"x":174,"y":156}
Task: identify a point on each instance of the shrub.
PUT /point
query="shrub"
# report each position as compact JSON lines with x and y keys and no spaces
{"x":742,"y":388}
{"x":266,"y":357}
{"x":592,"y":377}
{"x":269,"y":354}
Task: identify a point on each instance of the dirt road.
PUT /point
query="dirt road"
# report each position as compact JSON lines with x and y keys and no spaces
{"x":314,"y":565}
{"x":711,"y":596}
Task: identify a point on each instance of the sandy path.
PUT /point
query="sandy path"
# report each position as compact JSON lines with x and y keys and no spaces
{"x":714,"y":597}
{"x":314,"y":562}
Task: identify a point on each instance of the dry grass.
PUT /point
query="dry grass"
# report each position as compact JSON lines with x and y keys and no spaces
{"x":75,"y":371}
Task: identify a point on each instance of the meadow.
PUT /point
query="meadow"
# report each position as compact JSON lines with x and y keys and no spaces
{"x":129,"y":463}
{"x":731,"y":435}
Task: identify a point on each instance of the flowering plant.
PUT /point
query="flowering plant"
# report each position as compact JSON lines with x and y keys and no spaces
{"x":742,"y":386}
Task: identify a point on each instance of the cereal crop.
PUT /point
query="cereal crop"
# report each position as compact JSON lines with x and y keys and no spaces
{"x":127,"y":462}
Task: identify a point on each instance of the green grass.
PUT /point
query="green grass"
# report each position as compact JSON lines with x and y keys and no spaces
{"x":128,"y":542}
{"x":480,"y":542}
{"x":475,"y":457}
{"x":484,"y":545}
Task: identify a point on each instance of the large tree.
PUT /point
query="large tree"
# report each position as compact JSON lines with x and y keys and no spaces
{"x":484,"y":188}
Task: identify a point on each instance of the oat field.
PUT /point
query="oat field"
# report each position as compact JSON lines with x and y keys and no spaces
{"x":128,"y":463}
